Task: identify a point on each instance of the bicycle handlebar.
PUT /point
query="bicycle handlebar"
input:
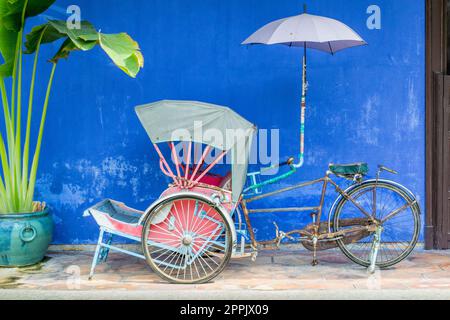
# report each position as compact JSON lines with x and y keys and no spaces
{"x":288,"y":162}
{"x":383,"y":168}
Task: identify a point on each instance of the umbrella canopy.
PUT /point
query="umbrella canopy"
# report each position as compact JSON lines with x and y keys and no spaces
{"x":310,"y":31}
{"x":162,"y":121}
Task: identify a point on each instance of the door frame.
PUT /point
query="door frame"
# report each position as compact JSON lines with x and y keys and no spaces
{"x":436,"y":68}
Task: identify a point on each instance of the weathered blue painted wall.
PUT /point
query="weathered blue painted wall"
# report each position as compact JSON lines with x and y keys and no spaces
{"x":365,"y":104}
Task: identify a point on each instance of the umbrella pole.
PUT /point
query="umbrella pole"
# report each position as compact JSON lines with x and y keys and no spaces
{"x":303,"y":112}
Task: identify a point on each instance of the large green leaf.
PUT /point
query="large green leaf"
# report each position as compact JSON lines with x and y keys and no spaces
{"x":123,"y":51}
{"x":64,"y":51}
{"x":78,"y":36}
{"x":57,"y":29}
{"x":8,"y":41}
{"x":10,"y":25}
{"x":48,"y":33}
{"x":121,"y":48}
{"x":11,"y":11}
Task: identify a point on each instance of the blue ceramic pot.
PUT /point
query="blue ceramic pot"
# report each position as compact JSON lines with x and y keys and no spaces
{"x":24,"y":238}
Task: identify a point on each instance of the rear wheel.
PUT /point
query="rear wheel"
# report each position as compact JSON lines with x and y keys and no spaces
{"x":193,"y":243}
{"x":393,"y":208}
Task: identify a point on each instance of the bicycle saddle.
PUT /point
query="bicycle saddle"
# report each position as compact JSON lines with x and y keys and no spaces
{"x":349,"y":171}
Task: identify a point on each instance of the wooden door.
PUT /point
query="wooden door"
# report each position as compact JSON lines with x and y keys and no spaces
{"x":441,"y":165}
{"x":437,"y":221}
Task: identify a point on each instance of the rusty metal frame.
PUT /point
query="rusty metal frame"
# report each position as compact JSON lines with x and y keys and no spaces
{"x":316,"y":213}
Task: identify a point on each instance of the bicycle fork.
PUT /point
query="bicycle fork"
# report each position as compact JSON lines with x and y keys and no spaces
{"x":374,"y":250}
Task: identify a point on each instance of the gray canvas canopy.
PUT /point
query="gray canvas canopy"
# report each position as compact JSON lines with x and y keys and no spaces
{"x":217,"y":126}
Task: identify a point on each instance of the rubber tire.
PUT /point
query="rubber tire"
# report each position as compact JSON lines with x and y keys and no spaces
{"x":417,"y":223}
{"x":152,"y":265}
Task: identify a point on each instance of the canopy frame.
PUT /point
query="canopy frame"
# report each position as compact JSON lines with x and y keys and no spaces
{"x":163,"y":119}
{"x":184,"y":180}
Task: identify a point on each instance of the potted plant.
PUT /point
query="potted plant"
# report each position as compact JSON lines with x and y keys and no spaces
{"x":25,"y":224}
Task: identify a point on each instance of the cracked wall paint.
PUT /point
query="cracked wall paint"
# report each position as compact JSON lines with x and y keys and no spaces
{"x":367,"y":128}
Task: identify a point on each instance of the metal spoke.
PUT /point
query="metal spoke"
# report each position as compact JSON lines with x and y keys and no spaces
{"x":197,"y":231}
{"x":197,"y":221}
{"x":166,"y":231}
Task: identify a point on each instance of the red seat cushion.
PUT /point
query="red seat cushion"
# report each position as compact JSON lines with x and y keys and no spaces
{"x":212,"y":180}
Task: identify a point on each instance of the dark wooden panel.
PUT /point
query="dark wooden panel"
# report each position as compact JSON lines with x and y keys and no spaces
{"x":440,"y":241}
{"x":437,"y":218}
{"x":435,"y":63}
{"x":443,"y":166}
{"x":440,"y":165}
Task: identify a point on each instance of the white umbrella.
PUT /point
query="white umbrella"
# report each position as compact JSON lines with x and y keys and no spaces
{"x":307,"y":31}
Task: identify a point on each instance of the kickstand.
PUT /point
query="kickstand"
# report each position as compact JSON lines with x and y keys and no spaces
{"x":315,"y":262}
{"x":374,"y":250}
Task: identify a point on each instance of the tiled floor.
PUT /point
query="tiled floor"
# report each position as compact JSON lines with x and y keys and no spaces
{"x":273,"y":273}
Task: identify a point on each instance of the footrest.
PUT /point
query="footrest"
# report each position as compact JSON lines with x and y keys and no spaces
{"x":241,"y":255}
{"x":116,"y":216}
{"x":117,"y":210}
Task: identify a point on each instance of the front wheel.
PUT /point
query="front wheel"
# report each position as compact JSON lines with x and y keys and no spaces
{"x":193,"y":242}
{"x":394,"y":209}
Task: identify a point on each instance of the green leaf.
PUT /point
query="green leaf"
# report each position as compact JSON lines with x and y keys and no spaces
{"x":10,"y":25}
{"x":121,"y":48}
{"x":11,"y":11}
{"x":8,"y":42}
{"x":123,"y":51}
{"x":48,"y":33}
{"x":57,"y":29}
{"x":77,"y":36}
{"x":63,"y":53}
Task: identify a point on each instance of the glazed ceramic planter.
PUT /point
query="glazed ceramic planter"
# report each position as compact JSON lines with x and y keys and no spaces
{"x":24,"y":238}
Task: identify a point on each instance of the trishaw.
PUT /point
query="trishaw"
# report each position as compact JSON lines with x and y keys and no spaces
{"x":203,"y":218}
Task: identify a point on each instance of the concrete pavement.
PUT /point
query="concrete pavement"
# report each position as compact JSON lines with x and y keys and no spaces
{"x":284,"y":274}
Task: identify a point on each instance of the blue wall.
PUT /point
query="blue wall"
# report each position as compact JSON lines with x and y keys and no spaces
{"x":365,"y":104}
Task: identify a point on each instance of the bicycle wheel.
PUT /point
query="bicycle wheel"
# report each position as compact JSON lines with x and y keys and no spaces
{"x":400,"y":222}
{"x":192,"y":245}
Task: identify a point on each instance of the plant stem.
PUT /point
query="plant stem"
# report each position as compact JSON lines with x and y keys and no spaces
{"x":16,"y":169}
{"x":6,"y":167}
{"x":18,"y":139}
{"x":34,"y":166}
{"x":10,"y":117}
{"x":14,"y":84}
{"x":14,"y":133}
{"x":26,"y":148}
{"x":5,"y":192}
